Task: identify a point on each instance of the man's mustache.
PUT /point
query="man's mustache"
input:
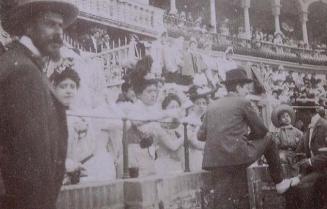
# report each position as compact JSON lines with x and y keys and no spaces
{"x":56,"y":40}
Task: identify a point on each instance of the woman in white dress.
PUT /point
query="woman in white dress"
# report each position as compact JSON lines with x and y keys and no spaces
{"x":83,"y":150}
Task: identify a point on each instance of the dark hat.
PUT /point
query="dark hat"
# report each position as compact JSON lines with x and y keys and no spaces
{"x":237,"y":75}
{"x":280,"y":109}
{"x":196,"y":92}
{"x":25,"y":9}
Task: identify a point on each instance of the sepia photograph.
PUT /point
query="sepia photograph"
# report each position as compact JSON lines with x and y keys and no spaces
{"x":163,"y":104}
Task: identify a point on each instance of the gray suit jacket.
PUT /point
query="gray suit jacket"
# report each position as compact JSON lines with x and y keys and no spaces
{"x":229,"y":127}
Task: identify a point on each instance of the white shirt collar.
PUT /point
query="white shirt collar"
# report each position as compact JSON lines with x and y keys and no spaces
{"x":28,"y":43}
{"x":314,"y":120}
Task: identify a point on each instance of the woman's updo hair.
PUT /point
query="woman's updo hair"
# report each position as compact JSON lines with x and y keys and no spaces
{"x":140,"y":78}
{"x":168,"y":99}
{"x":68,"y":73}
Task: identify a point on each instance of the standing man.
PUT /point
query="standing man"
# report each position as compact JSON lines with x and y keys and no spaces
{"x":311,"y":192}
{"x":33,"y":129}
{"x":235,"y":138}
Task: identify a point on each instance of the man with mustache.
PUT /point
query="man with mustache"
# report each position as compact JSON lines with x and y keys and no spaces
{"x":33,"y":130}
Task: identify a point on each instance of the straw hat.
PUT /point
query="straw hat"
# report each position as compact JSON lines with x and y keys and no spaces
{"x":24,"y":10}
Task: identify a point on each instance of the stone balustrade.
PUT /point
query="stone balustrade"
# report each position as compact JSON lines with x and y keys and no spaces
{"x":124,"y":13}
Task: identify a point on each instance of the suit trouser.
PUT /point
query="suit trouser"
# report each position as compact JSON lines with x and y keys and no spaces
{"x":230,"y":182}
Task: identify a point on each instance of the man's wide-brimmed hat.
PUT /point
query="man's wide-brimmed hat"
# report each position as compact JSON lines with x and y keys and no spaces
{"x":24,"y":10}
{"x":280,"y":109}
{"x":236,"y":76}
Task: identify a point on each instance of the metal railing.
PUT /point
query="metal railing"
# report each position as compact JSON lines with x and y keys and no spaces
{"x":126,"y":125}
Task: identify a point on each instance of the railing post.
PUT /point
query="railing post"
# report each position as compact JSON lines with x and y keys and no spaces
{"x":186,"y":149}
{"x":125,"y":150}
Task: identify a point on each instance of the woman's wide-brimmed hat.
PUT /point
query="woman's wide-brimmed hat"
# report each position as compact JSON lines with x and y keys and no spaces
{"x":196,"y":92}
{"x":24,"y":10}
{"x":236,"y":76}
{"x":280,"y":109}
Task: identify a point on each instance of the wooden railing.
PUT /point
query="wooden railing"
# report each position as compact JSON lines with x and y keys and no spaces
{"x":124,"y":12}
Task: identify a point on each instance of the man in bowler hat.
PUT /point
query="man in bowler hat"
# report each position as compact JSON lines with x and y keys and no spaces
{"x":33,"y":129}
{"x":235,"y":138}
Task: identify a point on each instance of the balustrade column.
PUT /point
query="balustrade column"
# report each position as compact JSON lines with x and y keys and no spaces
{"x":304,"y":20}
{"x":276,"y":13}
{"x":213,"y":18}
{"x":186,"y":149}
{"x":125,"y":150}
{"x":247,"y":26}
{"x":173,"y":9}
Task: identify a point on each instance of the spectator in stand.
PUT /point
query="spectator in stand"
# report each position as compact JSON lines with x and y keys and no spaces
{"x":297,"y":78}
{"x":83,"y":147}
{"x":200,"y":98}
{"x":106,"y":44}
{"x":279,"y":42}
{"x":170,"y":152}
{"x":127,"y":95}
{"x":289,"y":77}
{"x":256,"y":39}
{"x":313,"y":80}
{"x":189,"y":17}
{"x":227,"y":63}
{"x":143,"y":135}
{"x":193,"y":63}
{"x":306,"y":78}
{"x":288,"y":137}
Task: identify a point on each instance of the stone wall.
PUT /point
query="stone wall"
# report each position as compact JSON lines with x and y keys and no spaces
{"x":169,"y":192}
{"x":100,"y":195}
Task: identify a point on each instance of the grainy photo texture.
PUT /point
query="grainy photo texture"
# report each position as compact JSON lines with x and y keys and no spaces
{"x":163,"y":104}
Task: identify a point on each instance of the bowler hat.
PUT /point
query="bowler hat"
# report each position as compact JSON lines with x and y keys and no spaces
{"x":237,"y":75}
{"x":280,"y":109}
{"x":24,"y":10}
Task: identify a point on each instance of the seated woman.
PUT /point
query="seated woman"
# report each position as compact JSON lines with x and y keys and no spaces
{"x":170,"y":150}
{"x":83,"y":151}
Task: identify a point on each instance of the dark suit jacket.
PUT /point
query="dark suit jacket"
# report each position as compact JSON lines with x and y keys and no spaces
{"x":318,"y":140}
{"x":33,"y":132}
{"x":226,"y":132}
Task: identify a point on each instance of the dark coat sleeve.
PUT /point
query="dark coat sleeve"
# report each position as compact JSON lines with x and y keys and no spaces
{"x":257,"y":127}
{"x":319,"y":160}
{"x":202,"y":133}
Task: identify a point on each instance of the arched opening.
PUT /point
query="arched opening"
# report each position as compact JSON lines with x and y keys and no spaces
{"x":261,"y":16}
{"x":230,"y":12}
{"x":290,"y":21}
{"x":317,"y":24}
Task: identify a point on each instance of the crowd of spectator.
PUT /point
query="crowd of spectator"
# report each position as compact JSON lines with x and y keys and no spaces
{"x":184,"y":21}
{"x":172,"y":84}
{"x":274,"y":46}
{"x":293,"y":88}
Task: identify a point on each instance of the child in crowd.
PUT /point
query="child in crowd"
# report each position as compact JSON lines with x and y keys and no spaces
{"x":288,"y":137}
